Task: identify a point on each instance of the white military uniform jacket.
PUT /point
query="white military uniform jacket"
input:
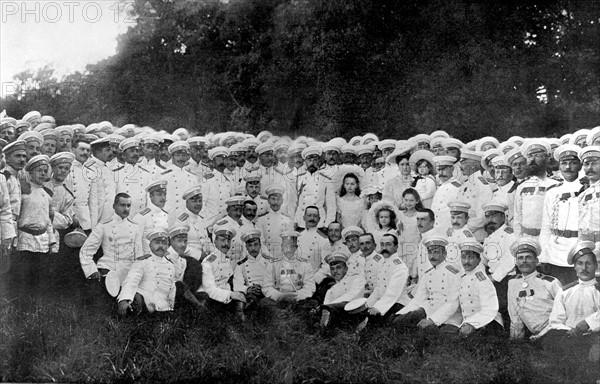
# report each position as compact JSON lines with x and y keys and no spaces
{"x":178,"y":180}
{"x":7,"y":226}
{"x":559,"y":222}
{"x":589,"y":216}
{"x":198,"y":239}
{"x":476,"y":191}
{"x":121,"y":242}
{"x":250,"y":271}
{"x":271,"y":226}
{"x":289,"y":276}
{"x":529,"y":205}
{"x":372,"y":265}
{"x":391,"y":282}
{"x":154,"y":278}
{"x":455,"y":238}
{"x":445,"y":193}
{"x":314,"y":246}
{"x":496,"y":252}
{"x":82,"y":182}
{"x":133,"y":180}
{"x":217,"y":269}
{"x":530,"y":301}
{"x":319,"y":190}
{"x":150,"y":218}
{"x":437,"y":293}
{"x":502,"y":194}
{"x":105,"y":190}
{"x":478,"y":299}
{"x":577,"y":301}
{"x":215,"y":191}
{"x":35,"y":209}
{"x":351,"y":287}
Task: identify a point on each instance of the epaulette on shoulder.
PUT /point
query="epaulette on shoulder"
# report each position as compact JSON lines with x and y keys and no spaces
{"x":429,"y":270}
{"x":324,"y":175}
{"x":242,"y":261}
{"x":222,"y":222}
{"x":451,"y":269}
{"x":509,"y":230}
{"x":211,"y":258}
{"x":468,"y":233}
{"x":322,"y":234}
{"x":554,"y":185}
{"x":514,"y":187}
{"x":546,"y":277}
{"x":456,"y":184}
{"x":159,"y":165}
{"x":167,"y":171}
{"x":183,"y":217}
{"x":449,"y":232}
{"x":144,"y":169}
{"x":559,"y":179}
{"x":377,"y":257}
{"x":397,"y":261}
{"x":481,"y":276}
{"x":483,"y":180}
{"x":208,"y":176}
{"x":48,"y":191}
{"x":570,"y":285}
{"x":145,"y":211}
{"x":118,"y":168}
{"x":106,"y":221}
{"x":264,"y":198}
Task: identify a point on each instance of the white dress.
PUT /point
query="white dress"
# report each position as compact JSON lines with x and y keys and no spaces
{"x":351,"y":211}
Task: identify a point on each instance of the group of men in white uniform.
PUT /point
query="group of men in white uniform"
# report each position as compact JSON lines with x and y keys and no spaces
{"x":509,"y":239}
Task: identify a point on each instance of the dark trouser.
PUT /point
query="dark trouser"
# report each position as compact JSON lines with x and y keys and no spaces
{"x":565,"y":275}
{"x":410,"y":319}
{"x":95,"y":294}
{"x":322,"y":289}
{"x":502,"y":293}
{"x":232,"y":306}
{"x":556,"y":341}
{"x":339,"y":316}
{"x":387,"y":318}
{"x":29,"y":273}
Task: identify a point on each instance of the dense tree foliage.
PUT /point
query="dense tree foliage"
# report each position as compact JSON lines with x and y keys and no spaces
{"x":342,"y":67}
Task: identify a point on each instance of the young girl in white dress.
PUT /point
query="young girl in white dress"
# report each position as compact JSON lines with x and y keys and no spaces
{"x":410,"y":237}
{"x":382,"y":219}
{"x":424,"y":182}
{"x":350,"y":206}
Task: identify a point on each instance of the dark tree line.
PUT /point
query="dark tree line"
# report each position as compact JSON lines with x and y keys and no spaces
{"x":342,"y":67}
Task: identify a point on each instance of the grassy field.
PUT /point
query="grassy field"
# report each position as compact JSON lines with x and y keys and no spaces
{"x":55,"y":337}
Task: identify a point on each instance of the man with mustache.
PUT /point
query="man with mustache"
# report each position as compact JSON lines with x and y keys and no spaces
{"x":458,"y":233}
{"x":314,"y":189}
{"x":560,"y":216}
{"x":530,"y":294}
{"x":574,"y":323}
{"x":530,"y":194}
{"x":372,"y":261}
{"x":589,"y":199}
{"x":477,"y":298}
{"x":446,"y":192}
{"x":217,"y":269}
{"x":505,"y":182}
{"x":154,"y":215}
{"x":496,"y":255}
{"x":15,"y":158}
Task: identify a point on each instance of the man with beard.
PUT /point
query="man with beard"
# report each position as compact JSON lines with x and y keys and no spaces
{"x":496,"y":255}
{"x":530,"y":194}
{"x":217,"y":269}
{"x":372,"y":261}
{"x":589,"y":199}
{"x":199,"y":163}
{"x":435,"y":303}
{"x":384,"y":302}
{"x":274,"y":223}
{"x":574,"y":323}
{"x":251,"y":163}
{"x":561,"y":213}
{"x":505,"y":185}
{"x":314,"y":189}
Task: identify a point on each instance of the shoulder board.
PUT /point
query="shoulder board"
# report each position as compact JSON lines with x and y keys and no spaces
{"x":211,"y":258}
{"x":449,"y":232}
{"x":119,"y":168}
{"x":397,"y":261}
{"x":131,"y":221}
{"x":145,"y":211}
{"x":483,"y":180}
{"x":208,"y":175}
{"x":509,"y":230}
{"x":546,"y":277}
{"x":106,"y":221}
{"x":514,"y":187}
{"x":456,"y":184}
{"x":48,"y":191}
{"x":159,"y":165}
{"x":167,"y":171}
{"x":322,"y":234}
{"x":559,"y":179}
{"x":481,"y":276}
{"x":242,"y":261}
{"x":222,"y":222}
{"x":68,"y":190}
{"x":183,"y":216}
{"x":144,"y":169}
{"x":300,"y":174}
{"x":429,"y":270}
{"x":570,"y":285}
{"x":467,"y":233}
{"x":377,"y":257}
{"x":553,"y":185}
{"x":451,"y":269}
{"x":324,"y":175}
{"x":264,"y":197}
